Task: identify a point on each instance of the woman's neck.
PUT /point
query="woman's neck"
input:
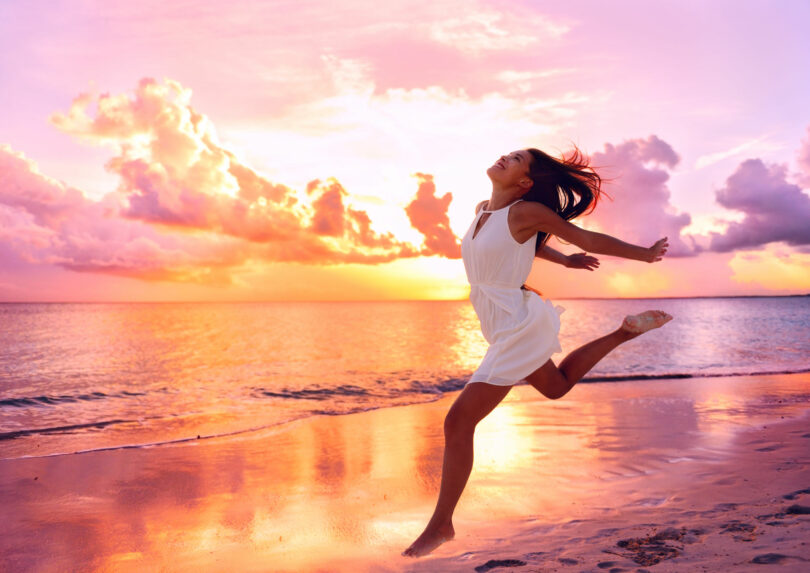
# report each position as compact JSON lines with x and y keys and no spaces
{"x":500,"y":199}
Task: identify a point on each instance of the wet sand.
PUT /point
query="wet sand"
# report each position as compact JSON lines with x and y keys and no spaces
{"x":665,"y":475}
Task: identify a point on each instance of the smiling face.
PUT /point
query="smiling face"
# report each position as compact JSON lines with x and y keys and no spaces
{"x":512,"y":170}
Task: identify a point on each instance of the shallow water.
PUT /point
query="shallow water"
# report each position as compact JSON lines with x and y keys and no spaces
{"x":88,"y":376}
{"x":551,"y":479}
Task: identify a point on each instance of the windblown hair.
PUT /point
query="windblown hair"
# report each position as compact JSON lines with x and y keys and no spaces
{"x":559,"y":182}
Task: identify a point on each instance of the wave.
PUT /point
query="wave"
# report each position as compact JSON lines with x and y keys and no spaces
{"x":316,"y":393}
{"x":382,"y":391}
{"x":667,"y":376}
{"x":54,"y":400}
{"x":60,"y":429}
{"x":145,"y":445}
{"x":413,"y":393}
{"x":320,"y":393}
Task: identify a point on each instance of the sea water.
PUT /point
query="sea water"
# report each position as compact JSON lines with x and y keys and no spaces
{"x":79,"y":377}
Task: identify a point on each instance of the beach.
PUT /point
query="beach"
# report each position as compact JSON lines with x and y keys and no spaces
{"x":698,"y":474}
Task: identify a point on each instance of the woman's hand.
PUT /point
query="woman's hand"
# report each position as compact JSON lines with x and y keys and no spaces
{"x":657,"y":251}
{"x":582,"y":261}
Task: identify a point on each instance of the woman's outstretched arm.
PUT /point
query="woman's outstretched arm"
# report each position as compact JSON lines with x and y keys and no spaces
{"x":607,"y":245}
{"x":537,"y":217}
{"x":575,"y":261}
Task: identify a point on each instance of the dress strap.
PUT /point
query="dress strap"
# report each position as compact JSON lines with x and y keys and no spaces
{"x":506,"y":207}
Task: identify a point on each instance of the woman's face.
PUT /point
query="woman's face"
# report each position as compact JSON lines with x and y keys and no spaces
{"x":512,"y":170}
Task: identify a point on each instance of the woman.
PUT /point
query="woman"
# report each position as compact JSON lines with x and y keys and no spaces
{"x":533,"y":197}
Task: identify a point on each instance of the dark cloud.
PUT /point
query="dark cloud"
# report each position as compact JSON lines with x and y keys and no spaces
{"x":774,"y":209}
{"x":803,"y":160}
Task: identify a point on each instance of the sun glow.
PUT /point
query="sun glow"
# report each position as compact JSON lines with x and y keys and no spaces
{"x":774,"y":268}
{"x":644,"y":283}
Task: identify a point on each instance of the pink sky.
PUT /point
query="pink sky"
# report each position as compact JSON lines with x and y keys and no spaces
{"x":312,"y":150}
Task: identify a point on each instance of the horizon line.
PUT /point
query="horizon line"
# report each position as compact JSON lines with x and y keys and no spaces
{"x":380,"y":300}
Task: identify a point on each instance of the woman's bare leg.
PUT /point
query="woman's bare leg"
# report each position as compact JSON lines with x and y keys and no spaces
{"x":479,"y":399}
{"x":554,"y":382}
{"x":471,"y":406}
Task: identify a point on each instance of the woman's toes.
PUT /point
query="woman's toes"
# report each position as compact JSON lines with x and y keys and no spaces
{"x":647,"y":320}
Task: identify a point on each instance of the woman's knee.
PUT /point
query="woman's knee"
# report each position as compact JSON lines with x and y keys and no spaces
{"x":554,"y":393}
{"x":554,"y":389}
{"x":458,"y":423}
{"x":474,"y":403}
{"x":549,"y":381}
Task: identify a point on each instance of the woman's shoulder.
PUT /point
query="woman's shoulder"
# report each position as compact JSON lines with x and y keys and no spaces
{"x":529,"y":213}
{"x":531,"y":207}
{"x":480,"y":206}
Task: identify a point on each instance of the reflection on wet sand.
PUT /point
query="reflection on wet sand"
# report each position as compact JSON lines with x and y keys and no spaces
{"x":349,"y":492}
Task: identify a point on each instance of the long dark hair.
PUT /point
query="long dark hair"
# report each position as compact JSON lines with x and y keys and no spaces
{"x":557,"y":182}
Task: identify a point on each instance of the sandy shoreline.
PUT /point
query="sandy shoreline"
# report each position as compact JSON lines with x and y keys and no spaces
{"x":580,"y":484}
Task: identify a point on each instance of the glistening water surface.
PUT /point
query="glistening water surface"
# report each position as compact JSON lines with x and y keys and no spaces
{"x":75,"y":377}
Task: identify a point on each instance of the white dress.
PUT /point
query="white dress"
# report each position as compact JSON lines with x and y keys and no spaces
{"x":521,"y":327}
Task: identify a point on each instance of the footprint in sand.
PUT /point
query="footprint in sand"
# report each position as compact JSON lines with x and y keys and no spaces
{"x":774,"y":558}
{"x":535,"y":554}
{"x":776,"y":518}
{"x":773,"y":519}
{"x":663,"y":545}
{"x":740,"y":531}
{"x":609,"y":565}
{"x":493,"y":563}
{"x":793,"y":495}
{"x":724,"y":507}
{"x":769,"y":448}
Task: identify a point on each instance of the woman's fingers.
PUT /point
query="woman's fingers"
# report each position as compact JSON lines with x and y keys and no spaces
{"x":659,"y":249}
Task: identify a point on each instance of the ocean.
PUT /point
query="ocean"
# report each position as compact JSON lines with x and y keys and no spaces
{"x":84,"y":377}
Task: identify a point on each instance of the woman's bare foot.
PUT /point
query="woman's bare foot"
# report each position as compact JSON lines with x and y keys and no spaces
{"x":430,"y":539}
{"x":636,"y":324}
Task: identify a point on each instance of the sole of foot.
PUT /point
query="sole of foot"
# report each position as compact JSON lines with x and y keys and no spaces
{"x":427,"y":542}
{"x":647,"y":320}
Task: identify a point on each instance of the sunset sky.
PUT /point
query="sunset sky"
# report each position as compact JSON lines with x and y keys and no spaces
{"x":246,"y":150}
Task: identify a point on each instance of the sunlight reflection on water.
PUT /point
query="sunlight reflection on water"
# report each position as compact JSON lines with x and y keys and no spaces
{"x":97,"y":375}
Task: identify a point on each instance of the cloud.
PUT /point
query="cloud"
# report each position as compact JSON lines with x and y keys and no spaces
{"x":174,"y":172}
{"x":803,"y":160}
{"x":186,"y":208}
{"x":44,"y":221}
{"x":712,"y":158}
{"x":484,"y":30}
{"x":428,"y":215}
{"x":774,"y":209}
{"x":332,"y":218}
{"x":21,"y":235}
{"x":22,"y":186}
{"x":641,"y":212}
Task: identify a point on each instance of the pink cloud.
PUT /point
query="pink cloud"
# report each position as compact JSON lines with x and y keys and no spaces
{"x":186,"y":209}
{"x":45,"y":222}
{"x":174,"y":172}
{"x":332,"y":218}
{"x":774,"y":209}
{"x":803,"y":160}
{"x":21,"y":186}
{"x":641,"y":211}
{"x":428,"y":215}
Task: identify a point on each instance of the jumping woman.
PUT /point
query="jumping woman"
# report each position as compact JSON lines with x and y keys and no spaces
{"x":533,"y":197}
